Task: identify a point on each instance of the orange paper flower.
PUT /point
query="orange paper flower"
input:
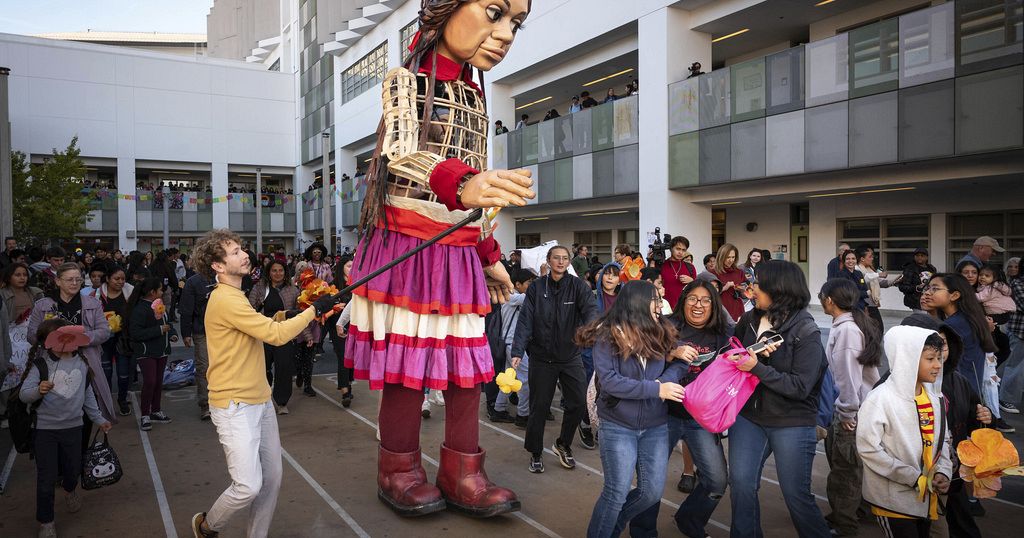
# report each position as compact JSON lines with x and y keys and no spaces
{"x":986,"y":457}
{"x":312,"y":289}
{"x":631,"y":269}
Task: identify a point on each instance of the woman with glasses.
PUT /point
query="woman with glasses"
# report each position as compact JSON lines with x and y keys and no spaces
{"x":954,"y":299}
{"x":781,"y":415}
{"x":703,"y":331}
{"x":67,"y":303}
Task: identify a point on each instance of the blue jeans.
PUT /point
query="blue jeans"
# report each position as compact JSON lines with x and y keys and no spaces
{"x":749,"y":447}
{"x":1013,"y":372}
{"x":124,"y":364}
{"x":623,"y":452}
{"x":693,"y":515}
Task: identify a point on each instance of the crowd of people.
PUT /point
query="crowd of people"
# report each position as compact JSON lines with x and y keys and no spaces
{"x":579,"y":102}
{"x":620,"y":351}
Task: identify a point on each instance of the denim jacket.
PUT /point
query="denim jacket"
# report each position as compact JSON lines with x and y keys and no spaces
{"x":629,"y":391}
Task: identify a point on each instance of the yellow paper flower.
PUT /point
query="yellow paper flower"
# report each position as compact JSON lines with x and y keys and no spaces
{"x":114,"y":320}
{"x":507,"y":381}
{"x":986,"y":457}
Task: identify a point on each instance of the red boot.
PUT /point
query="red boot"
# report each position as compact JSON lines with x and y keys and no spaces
{"x":402,"y":484}
{"x":466,"y":488}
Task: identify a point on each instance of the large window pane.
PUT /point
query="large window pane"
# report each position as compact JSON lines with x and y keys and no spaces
{"x":683,"y":106}
{"x":683,"y":160}
{"x":530,"y":144}
{"x":989,"y":113}
{"x":926,"y":45}
{"x":827,"y":71}
{"x":926,"y":121}
{"x":563,"y":180}
{"x":546,"y":182}
{"x":988,"y":34}
{"x":748,"y":89}
{"x":874,"y":58}
{"x":785,"y":80}
{"x":499,"y":151}
{"x":603,"y":121}
{"x":873,"y":129}
{"x":582,"y":138}
{"x":715,"y":155}
{"x":714,"y":98}
{"x":627,"y":169}
{"x":546,"y":141}
{"x":604,"y":173}
{"x":515,"y":148}
{"x":826,"y":137}
{"x":563,"y":137}
{"x":784,"y":151}
{"x":627,"y":120}
{"x":748,"y":147}
{"x":583,"y":176}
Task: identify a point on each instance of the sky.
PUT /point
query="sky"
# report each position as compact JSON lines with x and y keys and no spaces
{"x":46,"y":16}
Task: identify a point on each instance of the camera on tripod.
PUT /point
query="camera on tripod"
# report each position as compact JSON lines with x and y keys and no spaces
{"x":659,"y":246}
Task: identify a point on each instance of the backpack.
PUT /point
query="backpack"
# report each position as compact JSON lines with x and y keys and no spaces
{"x":827,"y":399}
{"x":21,"y":417}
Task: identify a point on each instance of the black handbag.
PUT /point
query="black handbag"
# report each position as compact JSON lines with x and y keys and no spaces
{"x":101,"y":466}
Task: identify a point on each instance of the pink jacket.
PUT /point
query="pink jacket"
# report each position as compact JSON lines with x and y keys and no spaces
{"x":996,"y":299}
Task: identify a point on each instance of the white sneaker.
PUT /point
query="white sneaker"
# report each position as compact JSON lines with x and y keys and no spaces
{"x":282,"y":410}
{"x":436,"y":398}
{"x":425,"y":408}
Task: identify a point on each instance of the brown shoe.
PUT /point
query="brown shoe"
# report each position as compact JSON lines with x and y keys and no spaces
{"x":402,"y":484}
{"x":198,"y":521}
{"x":466,"y":488}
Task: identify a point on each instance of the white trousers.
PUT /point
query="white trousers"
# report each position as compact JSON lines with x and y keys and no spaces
{"x":252,"y":447}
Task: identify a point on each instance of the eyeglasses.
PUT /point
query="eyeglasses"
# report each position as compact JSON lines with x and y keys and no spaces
{"x":932,"y":289}
{"x":559,"y":258}
{"x":693,"y":299}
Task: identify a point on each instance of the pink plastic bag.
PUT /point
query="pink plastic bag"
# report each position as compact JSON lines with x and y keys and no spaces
{"x":715,"y":398}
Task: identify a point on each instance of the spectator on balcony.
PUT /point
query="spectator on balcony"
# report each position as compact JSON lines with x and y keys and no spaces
{"x":575,"y":106}
{"x":633,"y":88}
{"x":522,"y":121}
{"x":552,"y":114}
{"x":588,"y":101}
{"x":499,"y":128}
{"x":610,"y":96}
{"x":694,"y":70}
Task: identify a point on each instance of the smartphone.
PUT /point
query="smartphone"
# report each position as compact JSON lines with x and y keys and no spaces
{"x":758,"y":347}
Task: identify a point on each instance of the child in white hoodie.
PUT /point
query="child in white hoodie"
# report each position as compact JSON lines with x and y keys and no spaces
{"x":902,"y":435}
{"x":509,"y":316}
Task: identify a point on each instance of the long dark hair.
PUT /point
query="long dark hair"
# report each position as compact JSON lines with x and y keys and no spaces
{"x":629,"y":327}
{"x":785,"y":283}
{"x":844,"y":295}
{"x":970,"y":307}
{"x":8,"y":272}
{"x":716,"y":321}
{"x":433,"y":17}
{"x":144,"y":288}
{"x":266,"y":272}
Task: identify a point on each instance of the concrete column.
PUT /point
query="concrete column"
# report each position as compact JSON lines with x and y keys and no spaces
{"x":937,"y":243}
{"x":219,"y":185}
{"x":344,"y":163}
{"x":6,"y":174}
{"x":823,"y":240}
{"x":126,"y":215}
{"x":667,"y":47}
{"x":500,"y":106}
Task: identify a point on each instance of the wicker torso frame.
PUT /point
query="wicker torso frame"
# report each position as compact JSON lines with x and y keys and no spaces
{"x":458,"y":129}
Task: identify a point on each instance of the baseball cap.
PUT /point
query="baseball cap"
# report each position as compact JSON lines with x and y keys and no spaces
{"x":921,"y":250}
{"x":986,"y":241}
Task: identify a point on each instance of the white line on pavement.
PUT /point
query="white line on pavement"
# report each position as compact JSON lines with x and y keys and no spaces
{"x":154,"y":473}
{"x":6,"y":474}
{"x":526,"y":519}
{"x":325,"y":496}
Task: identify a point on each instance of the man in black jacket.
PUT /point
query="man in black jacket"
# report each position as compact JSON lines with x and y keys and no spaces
{"x":193,"y":310}
{"x":555,"y":307}
{"x":912,"y":282}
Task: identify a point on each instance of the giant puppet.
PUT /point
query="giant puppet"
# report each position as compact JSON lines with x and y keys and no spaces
{"x":420,"y":325}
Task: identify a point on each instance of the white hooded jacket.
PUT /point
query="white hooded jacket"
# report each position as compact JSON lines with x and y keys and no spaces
{"x":888,"y":429}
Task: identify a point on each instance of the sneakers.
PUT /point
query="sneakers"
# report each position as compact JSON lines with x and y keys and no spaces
{"x":521,"y":421}
{"x":160,"y":417}
{"x":536,"y":464}
{"x":564,"y":455}
{"x":145,"y":424}
{"x":198,"y":521}
{"x":124,"y":408}
{"x":587,"y":437}
{"x":346,"y":399}
{"x":425,"y":408}
{"x":73,"y":500}
{"x":687,"y":483}
{"x":1002,"y":426}
{"x":282,"y":410}
{"x":975,"y":508}
{"x":499,"y":416}
{"x":436,"y":398}
{"x":1008,"y":407}
{"x":48,"y":530}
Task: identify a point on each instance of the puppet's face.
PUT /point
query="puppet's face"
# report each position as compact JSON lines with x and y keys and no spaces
{"x":480,"y":32}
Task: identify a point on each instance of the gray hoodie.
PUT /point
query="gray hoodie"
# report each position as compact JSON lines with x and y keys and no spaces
{"x":853,"y":379}
{"x":71,"y":393}
{"x":888,"y":429}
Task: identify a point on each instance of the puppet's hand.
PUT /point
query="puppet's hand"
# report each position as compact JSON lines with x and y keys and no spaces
{"x":498,"y":283}
{"x":498,"y":188}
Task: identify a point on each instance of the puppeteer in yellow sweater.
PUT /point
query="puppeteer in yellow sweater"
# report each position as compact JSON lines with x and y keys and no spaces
{"x":235,"y":334}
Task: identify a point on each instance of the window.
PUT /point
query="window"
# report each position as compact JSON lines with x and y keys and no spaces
{"x":1006,"y":227}
{"x":599,"y":242}
{"x":631,"y":238}
{"x":405,"y":38}
{"x":893,"y":238}
{"x":527,"y":240}
{"x":366,"y":73}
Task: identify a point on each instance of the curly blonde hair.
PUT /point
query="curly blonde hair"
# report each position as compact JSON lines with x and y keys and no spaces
{"x":210,"y":249}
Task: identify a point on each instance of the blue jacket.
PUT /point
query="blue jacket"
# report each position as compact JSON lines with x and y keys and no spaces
{"x":628,"y":391}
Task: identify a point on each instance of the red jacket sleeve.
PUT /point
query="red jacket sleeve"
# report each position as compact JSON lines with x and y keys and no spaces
{"x":489,"y":251}
{"x":444,"y":181}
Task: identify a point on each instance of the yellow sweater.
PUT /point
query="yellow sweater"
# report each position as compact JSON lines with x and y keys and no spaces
{"x":235,"y":334}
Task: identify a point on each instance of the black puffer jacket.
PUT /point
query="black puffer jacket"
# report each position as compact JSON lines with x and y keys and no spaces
{"x":910,"y":284}
{"x":550,"y":315}
{"x":790,"y":378}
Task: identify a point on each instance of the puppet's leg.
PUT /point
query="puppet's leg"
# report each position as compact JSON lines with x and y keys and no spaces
{"x":401,"y":481}
{"x":461,"y":476}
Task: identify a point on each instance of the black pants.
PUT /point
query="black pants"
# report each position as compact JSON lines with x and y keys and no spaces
{"x":345,"y":375}
{"x":958,"y":512}
{"x":55,"y":448}
{"x":280,"y":367}
{"x":543,"y":376}
{"x":876,"y":316}
{"x":304,"y":364}
{"x":904,"y":528}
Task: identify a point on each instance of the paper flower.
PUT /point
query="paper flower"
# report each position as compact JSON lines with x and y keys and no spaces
{"x":114,"y":320}
{"x":312,"y":289}
{"x":984,"y":458}
{"x":507,"y":381}
{"x":631,"y":269}
{"x":159,"y":308}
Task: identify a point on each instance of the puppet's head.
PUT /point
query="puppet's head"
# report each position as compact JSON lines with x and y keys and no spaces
{"x":477,"y":32}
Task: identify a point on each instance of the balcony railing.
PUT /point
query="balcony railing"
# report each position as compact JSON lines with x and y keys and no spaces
{"x":938,"y":82}
{"x":588,"y":154}
{"x":191,"y":211}
{"x":103,"y":206}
